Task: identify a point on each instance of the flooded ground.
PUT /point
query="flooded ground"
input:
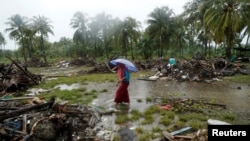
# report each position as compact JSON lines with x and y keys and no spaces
{"x":236,"y":97}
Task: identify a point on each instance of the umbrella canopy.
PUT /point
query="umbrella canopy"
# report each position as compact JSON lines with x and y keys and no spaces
{"x":127,"y":63}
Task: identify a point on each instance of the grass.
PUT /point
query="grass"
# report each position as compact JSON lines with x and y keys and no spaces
{"x":240,"y":78}
{"x":169,"y":119}
{"x":77,"y":95}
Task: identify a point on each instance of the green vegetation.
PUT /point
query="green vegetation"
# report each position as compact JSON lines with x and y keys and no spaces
{"x":77,"y":95}
{"x":238,"y":79}
{"x":204,"y":26}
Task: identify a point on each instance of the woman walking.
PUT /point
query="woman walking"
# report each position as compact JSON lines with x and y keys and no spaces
{"x":122,"y":95}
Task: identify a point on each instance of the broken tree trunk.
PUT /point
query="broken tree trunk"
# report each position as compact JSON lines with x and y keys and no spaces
{"x":24,"y":110}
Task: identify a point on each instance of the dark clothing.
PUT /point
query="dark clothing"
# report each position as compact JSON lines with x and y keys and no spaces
{"x":122,"y":94}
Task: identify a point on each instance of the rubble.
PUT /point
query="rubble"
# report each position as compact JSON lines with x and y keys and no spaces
{"x":201,"y":70}
{"x":16,"y":77}
{"x":38,"y":120}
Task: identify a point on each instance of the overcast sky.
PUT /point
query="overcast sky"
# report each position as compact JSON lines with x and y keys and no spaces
{"x":60,"y":12}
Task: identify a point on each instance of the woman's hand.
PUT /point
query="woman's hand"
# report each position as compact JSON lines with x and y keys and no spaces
{"x":118,"y":82}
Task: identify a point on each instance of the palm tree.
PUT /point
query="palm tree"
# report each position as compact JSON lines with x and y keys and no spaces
{"x":246,"y":17}
{"x":133,"y":28}
{"x":179,"y":35}
{"x":79,"y":22}
{"x":146,"y":47}
{"x":194,"y":23}
{"x":17,"y":25}
{"x":41,"y":25}
{"x":2,"y":42}
{"x":104,"y":22}
{"x":29,"y":41}
{"x":126,"y":33}
{"x":159,"y":28}
{"x":224,"y":18}
{"x":2,"y":39}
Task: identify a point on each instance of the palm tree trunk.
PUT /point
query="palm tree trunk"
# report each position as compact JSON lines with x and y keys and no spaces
{"x":43,"y":49}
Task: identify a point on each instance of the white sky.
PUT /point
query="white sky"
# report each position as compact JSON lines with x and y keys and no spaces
{"x":60,"y":12}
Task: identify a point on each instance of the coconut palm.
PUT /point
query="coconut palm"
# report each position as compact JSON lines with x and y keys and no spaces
{"x":17,"y":25}
{"x":133,"y":30}
{"x":224,"y":18}
{"x":160,"y":22}
{"x":127,"y":32}
{"x":29,"y":41}
{"x":194,"y":23}
{"x":2,"y":39}
{"x":146,"y":47}
{"x":2,"y":42}
{"x":41,"y":25}
{"x":105,"y":22}
{"x":246,"y":20}
{"x":79,"y":22}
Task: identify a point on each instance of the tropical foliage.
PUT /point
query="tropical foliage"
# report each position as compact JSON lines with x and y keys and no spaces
{"x":212,"y":27}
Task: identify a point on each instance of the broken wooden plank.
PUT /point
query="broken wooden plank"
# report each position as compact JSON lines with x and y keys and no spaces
{"x":190,"y":137}
{"x":25,"y":72}
{"x":181,"y":130}
{"x":214,"y":104}
{"x":168,"y":135}
{"x":16,"y":98}
{"x":24,"y":110}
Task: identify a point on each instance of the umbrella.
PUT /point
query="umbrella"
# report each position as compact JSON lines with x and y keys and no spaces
{"x":126,"y":62}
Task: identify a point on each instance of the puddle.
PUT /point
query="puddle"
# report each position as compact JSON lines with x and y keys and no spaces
{"x":236,"y":100}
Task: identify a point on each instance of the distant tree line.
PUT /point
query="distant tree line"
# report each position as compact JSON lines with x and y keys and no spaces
{"x":212,"y":27}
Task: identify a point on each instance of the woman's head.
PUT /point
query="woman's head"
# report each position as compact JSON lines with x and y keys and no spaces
{"x":120,"y":65}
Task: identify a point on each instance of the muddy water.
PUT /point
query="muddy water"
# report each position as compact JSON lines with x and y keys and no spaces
{"x":235,"y":96}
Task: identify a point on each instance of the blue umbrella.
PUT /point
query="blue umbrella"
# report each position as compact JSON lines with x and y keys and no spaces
{"x":127,"y":63}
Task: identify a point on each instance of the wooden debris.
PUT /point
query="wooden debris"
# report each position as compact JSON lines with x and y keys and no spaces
{"x":40,"y":120}
{"x":180,"y":131}
{"x":168,"y":135}
{"x":16,"y":77}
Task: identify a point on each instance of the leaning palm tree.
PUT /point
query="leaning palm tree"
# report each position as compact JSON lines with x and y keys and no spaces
{"x":42,"y":26}
{"x":17,"y":25}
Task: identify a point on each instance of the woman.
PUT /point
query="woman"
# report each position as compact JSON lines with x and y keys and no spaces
{"x":122,"y":94}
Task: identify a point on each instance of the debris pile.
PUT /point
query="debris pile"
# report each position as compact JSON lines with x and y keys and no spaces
{"x":190,"y":105}
{"x":38,"y":120}
{"x":16,"y":77}
{"x":199,"y":70}
{"x":196,"y":70}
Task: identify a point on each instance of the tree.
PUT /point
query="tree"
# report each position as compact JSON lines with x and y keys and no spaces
{"x":224,"y":18}
{"x":17,"y":25}
{"x":29,"y":41}
{"x":79,"y":22}
{"x":126,"y":32}
{"x":160,"y":22}
{"x":2,"y":42}
{"x":41,"y":26}
{"x":104,"y":24}
{"x":2,"y":39}
{"x":133,"y":33}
